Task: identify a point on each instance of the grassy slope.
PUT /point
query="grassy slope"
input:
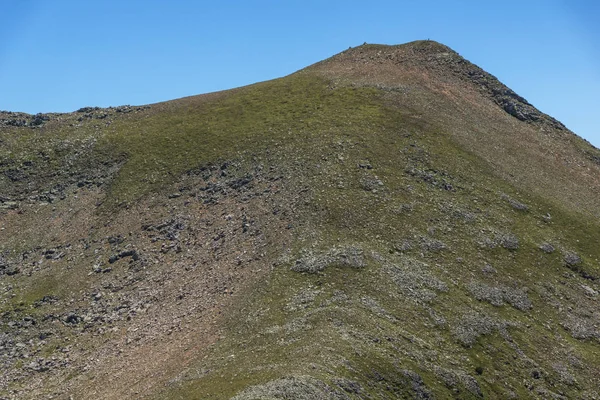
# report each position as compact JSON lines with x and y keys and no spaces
{"x":406,"y":310}
{"x":376,"y":330}
{"x":194,"y":132}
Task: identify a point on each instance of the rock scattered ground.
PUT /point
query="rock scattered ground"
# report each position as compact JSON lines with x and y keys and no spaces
{"x":365,"y":228}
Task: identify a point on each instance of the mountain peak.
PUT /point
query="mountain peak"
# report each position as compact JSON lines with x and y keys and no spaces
{"x":419,"y":50}
{"x":429,"y":62}
{"x":418,"y":46}
{"x":392,"y":222}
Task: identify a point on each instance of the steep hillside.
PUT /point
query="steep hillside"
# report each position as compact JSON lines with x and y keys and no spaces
{"x":392,"y":222}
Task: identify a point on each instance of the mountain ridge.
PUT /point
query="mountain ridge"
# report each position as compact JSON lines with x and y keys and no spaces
{"x":436,"y":56}
{"x":391,"y":222}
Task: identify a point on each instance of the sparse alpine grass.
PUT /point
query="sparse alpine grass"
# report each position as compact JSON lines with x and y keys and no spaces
{"x":374,"y":226}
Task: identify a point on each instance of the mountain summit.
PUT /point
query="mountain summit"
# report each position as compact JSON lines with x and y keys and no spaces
{"x":392,"y":222}
{"x":393,"y":64}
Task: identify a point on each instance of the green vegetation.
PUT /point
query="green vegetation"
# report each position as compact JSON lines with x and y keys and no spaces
{"x":179,"y":138}
{"x":355,"y":322}
{"x":414,"y":267}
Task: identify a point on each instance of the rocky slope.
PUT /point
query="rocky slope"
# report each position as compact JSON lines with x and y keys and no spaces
{"x":392,"y":222}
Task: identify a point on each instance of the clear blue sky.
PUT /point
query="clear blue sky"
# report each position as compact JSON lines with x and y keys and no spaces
{"x":59,"y":55}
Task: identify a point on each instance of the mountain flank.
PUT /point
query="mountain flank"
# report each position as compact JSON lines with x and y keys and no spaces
{"x":392,"y":222}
